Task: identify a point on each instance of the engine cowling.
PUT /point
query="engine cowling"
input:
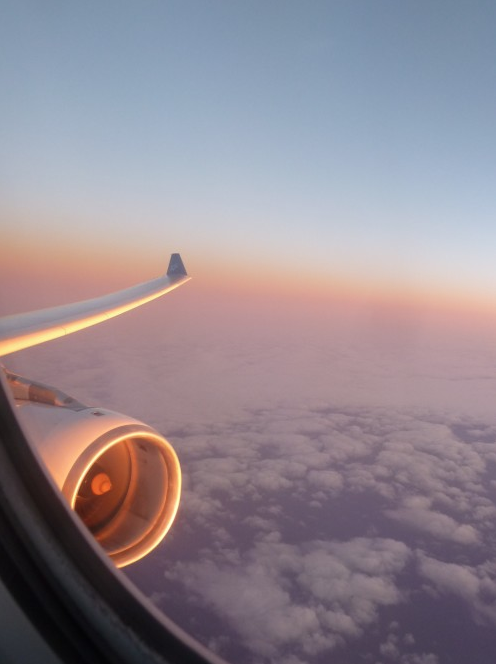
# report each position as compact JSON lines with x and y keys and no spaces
{"x":120,"y":476}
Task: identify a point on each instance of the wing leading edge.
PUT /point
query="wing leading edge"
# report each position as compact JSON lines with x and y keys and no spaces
{"x":24,"y":330}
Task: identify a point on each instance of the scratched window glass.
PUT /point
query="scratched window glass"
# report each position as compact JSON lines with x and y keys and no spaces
{"x":293,"y":453}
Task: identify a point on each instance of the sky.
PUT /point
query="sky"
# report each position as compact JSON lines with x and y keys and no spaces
{"x":350,"y":143}
{"x":328,"y":376}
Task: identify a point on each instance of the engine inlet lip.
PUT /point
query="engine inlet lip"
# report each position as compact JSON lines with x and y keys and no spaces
{"x":96,"y":449}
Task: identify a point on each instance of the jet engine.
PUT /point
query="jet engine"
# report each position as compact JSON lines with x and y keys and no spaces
{"x":120,"y":476}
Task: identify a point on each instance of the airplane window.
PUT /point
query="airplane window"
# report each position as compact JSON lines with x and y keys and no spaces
{"x":291,"y":458}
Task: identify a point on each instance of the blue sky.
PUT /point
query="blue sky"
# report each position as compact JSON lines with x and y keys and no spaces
{"x":356,"y":138}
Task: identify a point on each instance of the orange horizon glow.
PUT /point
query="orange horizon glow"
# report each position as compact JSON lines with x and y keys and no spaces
{"x":43,"y":273}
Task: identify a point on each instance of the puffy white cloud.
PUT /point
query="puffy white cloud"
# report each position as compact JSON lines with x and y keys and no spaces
{"x":253,"y":602}
{"x":457,"y":579}
{"x":305,"y":599}
{"x":329,"y":480}
{"x":258,"y":523}
{"x":282,"y":479}
{"x":393,"y":649}
{"x":389,"y":648}
{"x":423,"y":658}
{"x":394,"y":456}
{"x":476,"y":585}
{"x":433,"y":523}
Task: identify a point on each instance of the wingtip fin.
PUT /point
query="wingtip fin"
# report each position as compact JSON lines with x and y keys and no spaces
{"x":176,"y":267}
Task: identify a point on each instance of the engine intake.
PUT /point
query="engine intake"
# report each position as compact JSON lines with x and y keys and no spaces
{"x":126,"y":490}
{"x":121,"y":477}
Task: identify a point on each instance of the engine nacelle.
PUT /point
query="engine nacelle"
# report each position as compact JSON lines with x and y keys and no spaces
{"x":120,"y":476}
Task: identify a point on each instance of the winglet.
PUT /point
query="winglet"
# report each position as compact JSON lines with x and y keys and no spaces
{"x":25,"y":330}
{"x":176,"y":267}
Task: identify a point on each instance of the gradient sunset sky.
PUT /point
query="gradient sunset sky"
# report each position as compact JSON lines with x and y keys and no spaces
{"x":327,"y":170}
{"x":335,"y":148}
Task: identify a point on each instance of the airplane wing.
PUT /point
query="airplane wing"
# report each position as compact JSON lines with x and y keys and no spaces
{"x":24,"y":330}
{"x":119,"y":475}
{"x":60,"y":599}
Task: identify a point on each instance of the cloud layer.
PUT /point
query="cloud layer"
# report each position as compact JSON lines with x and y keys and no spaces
{"x":339,"y":491}
{"x":317,"y":522}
